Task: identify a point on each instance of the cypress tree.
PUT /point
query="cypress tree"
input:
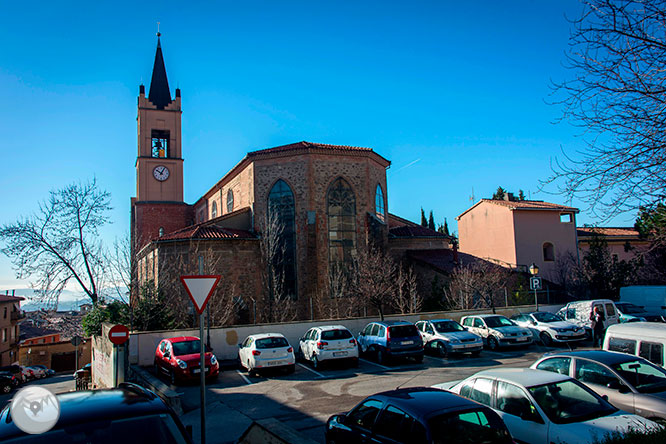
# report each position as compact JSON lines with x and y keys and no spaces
{"x":431,"y":221}
{"x":424,"y":221}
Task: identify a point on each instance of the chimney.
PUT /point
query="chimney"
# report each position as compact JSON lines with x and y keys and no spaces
{"x":509,"y":197}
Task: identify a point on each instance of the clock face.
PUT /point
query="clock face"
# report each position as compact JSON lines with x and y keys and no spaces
{"x":161,"y":173}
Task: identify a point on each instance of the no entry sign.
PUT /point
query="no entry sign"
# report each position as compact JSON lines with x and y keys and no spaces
{"x":200,"y":289}
{"x":119,"y":334}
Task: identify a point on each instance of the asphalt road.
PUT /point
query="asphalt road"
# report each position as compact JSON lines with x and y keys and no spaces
{"x":57,"y":384}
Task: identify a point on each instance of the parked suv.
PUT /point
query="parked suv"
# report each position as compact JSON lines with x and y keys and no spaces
{"x":578,"y":313}
{"x":550,"y":328}
{"x":180,"y":359}
{"x":328,"y":342}
{"x":497,"y":330}
{"x":391,"y":339}
{"x":446,"y":336}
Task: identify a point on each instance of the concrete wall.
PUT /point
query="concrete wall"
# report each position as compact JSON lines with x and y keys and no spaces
{"x":108,"y":361}
{"x":225,"y":340}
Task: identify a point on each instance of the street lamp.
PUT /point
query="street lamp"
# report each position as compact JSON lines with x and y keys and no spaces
{"x":534,"y":271}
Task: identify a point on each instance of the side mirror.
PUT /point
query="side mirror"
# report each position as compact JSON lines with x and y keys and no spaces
{"x":533,"y":322}
{"x":340,"y":419}
{"x":361,"y":333}
{"x":167,"y":355}
{"x":604,"y":397}
{"x":240,"y":345}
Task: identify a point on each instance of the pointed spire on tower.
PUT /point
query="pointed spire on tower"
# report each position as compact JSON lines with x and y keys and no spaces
{"x":159,"y":85}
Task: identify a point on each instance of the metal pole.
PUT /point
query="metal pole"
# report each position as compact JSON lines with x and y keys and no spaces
{"x":536,"y":300}
{"x":77,"y":358}
{"x":115,"y":372}
{"x":202,"y":370}
{"x":208,"y":326}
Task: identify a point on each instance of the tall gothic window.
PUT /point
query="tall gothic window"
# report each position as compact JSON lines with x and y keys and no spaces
{"x":282,"y":213}
{"x":341,"y":222}
{"x":230,"y":201}
{"x":379,"y":204}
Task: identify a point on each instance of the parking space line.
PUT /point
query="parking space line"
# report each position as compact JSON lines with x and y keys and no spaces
{"x":244,"y":377}
{"x":313,"y":371}
{"x":374,"y":363}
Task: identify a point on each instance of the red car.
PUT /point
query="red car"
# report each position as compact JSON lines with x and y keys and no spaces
{"x":179,"y":359}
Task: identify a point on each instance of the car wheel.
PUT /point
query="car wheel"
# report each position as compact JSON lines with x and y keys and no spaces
{"x":493,"y":344}
{"x":250,"y":370}
{"x":441,"y":350}
{"x":546,"y":339}
{"x":299,"y":355}
{"x":315,"y":361}
{"x":7,"y":388}
{"x":380,"y":356}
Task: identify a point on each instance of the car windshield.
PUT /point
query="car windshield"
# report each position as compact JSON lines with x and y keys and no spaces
{"x":546,"y":317}
{"x":644,"y":376}
{"x":186,"y":347}
{"x":332,"y":335}
{"x":568,"y":401}
{"x":447,"y":326}
{"x":403,"y":331}
{"x":498,"y":321}
{"x":153,"y":428}
{"x":471,"y":426}
{"x":630,"y":308}
{"x":271,"y":343}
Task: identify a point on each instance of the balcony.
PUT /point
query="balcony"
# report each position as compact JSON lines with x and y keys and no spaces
{"x":17,"y":315}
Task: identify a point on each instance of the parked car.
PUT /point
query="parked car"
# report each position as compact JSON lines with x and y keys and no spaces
{"x":497,"y":330}
{"x":579,"y":313}
{"x":180,"y":359}
{"x":15,"y":378}
{"x":446,"y":336}
{"x":47,"y":371}
{"x":631,"y":383}
{"x":635,"y":313}
{"x":266,"y":351}
{"x":327,"y":343}
{"x":417,"y":415}
{"x":38,"y":371}
{"x":550,"y":328}
{"x":128,"y":413}
{"x":7,"y":382}
{"x":387,"y":340}
{"x":83,"y":372}
{"x":644,"y":339}
{"x":28,"y":373}
{"x":540,"y":407}
{"x":15,"y":370}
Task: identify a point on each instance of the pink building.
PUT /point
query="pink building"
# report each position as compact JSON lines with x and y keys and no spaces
{"x":623,"y":242}
{"x":518,"y":233}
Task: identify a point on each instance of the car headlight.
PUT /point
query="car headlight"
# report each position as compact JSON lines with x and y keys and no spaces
{"x":499,"y":333}
{"x":181,"y":364}
{"x":454,"y":340}
{"x":559,"y":330}
{"x":213,"y":360}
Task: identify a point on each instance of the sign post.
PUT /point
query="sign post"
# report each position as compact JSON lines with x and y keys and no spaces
{"x":118,"y":335}
{"x":200,"y":288}
{"x":535,"y":284}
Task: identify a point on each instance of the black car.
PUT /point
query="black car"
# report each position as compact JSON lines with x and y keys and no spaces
{"x":127,"y":414}
{"x":417,"y":415}
{"x":637,"y":310}
{"x":14,"y":370}
{"x":7,"y":382}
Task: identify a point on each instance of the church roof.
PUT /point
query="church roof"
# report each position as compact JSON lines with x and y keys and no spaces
{"x":201,"y":231}
{"x":415,"y":231}
{"x":159,"y":93}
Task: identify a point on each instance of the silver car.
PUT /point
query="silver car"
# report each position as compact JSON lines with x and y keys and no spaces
{"x":631,"y":383}
{"x":497,"y":330}
{"x":446,"y":336}
{"x":550,"y":328}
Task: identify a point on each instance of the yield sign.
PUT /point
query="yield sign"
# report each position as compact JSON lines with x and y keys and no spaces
{"x":200,"y":288}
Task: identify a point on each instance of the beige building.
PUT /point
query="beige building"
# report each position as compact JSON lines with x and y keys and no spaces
{"x":10,"y":315}
{"x":624,"y":243}
{"x":516,"y":234}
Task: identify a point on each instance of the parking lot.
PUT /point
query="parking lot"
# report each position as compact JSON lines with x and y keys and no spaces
{"x":305,"y":399}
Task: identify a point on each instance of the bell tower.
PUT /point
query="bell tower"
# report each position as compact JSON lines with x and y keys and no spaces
{"x":158,"y":207}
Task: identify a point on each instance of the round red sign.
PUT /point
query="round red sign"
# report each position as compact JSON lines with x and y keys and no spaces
{"x":119,"y":334}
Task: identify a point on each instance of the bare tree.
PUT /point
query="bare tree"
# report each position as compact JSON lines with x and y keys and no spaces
{"x":375,"y":278}
{"x":617,"y":96}
{"x":121,"y":268}
{"x":60,"y":243}
{"x":340,"y":298}
{"x":477,"y":285}
{"x":406,"y":298}
{"x":278,"y":305}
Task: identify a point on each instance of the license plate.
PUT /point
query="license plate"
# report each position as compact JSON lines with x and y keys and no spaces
{"x":470,"y":345}
{"x":273,"y":363}
{"x":339,"y":354}
{"x":406,"y":342}
{"x":522,"y":339}
{"x":197,"y":370}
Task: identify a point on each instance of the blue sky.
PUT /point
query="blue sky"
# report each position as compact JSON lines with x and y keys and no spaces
{"x":454,"y":94}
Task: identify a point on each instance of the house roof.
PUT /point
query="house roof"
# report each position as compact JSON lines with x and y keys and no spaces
{"x":7,"y":298}
{"x":520,"y":205}
{"x":607,"y":231}
{"x":28,"y":331}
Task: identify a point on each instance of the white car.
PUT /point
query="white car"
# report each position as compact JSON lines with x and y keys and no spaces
{"x":446,"y":336}
{"x":38,"y":371}
{"x":497,"y":330}
{"x":266,"y":351}
{"x":550,"y":328}
{"x":540,"y":407}
{"x":326,"y":343}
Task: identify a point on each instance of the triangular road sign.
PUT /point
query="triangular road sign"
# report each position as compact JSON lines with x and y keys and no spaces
{"x":200,"y":288}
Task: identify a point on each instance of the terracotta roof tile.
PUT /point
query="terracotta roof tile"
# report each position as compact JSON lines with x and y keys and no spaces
{"x":608,"y":231}
{"x":298,"y":146}
{"x":7,"y":298}
{"x":207,"y":232}
{"x":530,"y":205}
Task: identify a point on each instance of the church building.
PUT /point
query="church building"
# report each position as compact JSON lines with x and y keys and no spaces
{"x":321,"y":202}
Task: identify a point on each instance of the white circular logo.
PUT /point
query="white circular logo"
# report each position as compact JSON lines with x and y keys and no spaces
{"x":35,"y":410}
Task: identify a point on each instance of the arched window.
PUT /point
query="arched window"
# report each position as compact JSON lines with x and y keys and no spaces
{"x":341,"y":204}
{"x":379,"y":204}
{"x":230,"y":201}
{"x":548,"y":252}
{"x":281,"y":220}
{"x":213,"y":211}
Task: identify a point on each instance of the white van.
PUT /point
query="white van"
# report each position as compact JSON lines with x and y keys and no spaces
{"x":644,"y":339}
{"x":651,"y":297}
{"x":578,"y":313}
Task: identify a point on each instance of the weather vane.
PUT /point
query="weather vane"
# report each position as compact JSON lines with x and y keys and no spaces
{"x":158,"y":29}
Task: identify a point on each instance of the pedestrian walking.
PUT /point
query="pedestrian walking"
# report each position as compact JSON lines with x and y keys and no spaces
{"x":597,"y":317}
